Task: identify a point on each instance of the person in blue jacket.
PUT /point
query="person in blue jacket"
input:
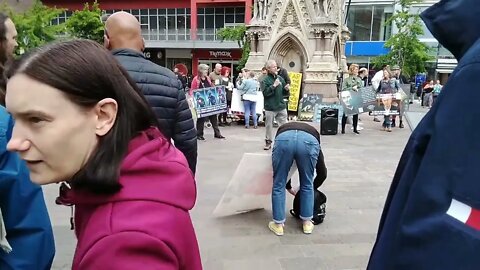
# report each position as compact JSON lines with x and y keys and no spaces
{"x":23,"y":210}
{"x":431,"y":218}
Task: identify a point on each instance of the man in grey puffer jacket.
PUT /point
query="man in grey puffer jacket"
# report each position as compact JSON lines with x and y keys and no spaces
{"x":162,"y":89}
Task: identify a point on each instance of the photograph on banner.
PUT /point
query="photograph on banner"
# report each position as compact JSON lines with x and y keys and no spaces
{"x":191,"y":105}
{"x":358,"y":102}
{"x":317,"y":117}
{"x":210,"y":101}
{"x":237,"y":104}
{"x":387,"y":104}
{"x":307,"y":106}
{"x":250,"y":188}
{"x":295,"y":87}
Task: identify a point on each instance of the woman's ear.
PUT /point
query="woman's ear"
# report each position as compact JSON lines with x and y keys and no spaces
{"x":106,"y":115}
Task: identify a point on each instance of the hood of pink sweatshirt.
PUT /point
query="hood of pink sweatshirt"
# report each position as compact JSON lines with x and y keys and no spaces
{"x":146,"y":225}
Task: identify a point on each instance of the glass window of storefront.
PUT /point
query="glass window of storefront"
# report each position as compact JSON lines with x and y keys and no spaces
{"x":162,"y":24}
{"x":368,"y":23}
{"x":62,"y":17}
{"x":211,"y":19}
{"x":174,"y":23}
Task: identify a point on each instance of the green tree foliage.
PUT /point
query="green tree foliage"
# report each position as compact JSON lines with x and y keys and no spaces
{"x":86,"y":23}
{"x":34,"y":26}
{"x":237,"y":34}
{"x":406,"y":50}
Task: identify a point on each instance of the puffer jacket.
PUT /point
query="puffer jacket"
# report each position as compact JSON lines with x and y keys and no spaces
{"x":165,"y":94}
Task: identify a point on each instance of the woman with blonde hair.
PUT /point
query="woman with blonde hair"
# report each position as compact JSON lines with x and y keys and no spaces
{"x":388,"y":86}
{"x":203,"y":81}
{"x":352,"y":83}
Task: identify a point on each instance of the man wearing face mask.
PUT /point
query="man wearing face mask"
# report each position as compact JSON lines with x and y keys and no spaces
{"x":26,"y":237}
{"x":163,"y":90}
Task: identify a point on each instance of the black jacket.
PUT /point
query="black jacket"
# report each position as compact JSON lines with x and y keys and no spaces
{"x":165,"y":94}
{"x":282,"y":72}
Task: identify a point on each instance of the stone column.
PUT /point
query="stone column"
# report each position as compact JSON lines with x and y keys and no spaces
{"x":322,"y":69}
{"x":258,"y":35}
{"x":344,"y":37}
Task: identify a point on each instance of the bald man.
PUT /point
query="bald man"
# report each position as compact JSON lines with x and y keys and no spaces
{"x":163,"y":90}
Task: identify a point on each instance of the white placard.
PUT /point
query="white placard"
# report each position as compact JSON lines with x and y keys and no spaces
{"x":250,"y":187}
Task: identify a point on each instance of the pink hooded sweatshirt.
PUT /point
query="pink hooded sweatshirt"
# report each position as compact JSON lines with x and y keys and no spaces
{"x":146,"y":225}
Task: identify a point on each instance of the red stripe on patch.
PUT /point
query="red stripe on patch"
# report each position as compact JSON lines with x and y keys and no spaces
{"x":474,"y":219}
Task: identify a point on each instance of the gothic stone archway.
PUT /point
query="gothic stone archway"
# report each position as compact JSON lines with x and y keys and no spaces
{"x":289,"y":53}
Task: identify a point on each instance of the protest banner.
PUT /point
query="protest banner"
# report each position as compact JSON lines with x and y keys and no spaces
{"x":210,"y":101}
{"x":295,"y":86}
{"x":358,"y":102}
{"x":307,"y":106}
{"x":250,"y":187}
{"x":387,"y":104}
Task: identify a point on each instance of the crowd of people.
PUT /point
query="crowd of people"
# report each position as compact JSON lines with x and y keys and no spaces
{"x":122,"y":144}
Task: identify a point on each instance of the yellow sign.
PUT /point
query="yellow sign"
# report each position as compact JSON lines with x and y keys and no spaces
{"x":296,"y":82}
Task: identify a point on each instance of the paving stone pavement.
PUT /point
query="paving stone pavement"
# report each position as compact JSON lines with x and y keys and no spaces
{"x":360,"y":169}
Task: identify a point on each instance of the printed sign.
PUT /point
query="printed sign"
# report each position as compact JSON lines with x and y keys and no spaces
{"x":217,"y":54}
{"x":307,"y":106}
{"x":295,"y":84}
{"x":210,"y":101}
{"x":387,"y":104}
{"x":357,"y":102}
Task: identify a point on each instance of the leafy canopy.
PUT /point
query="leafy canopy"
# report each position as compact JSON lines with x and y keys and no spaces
{"x":34,"y":26}
{"x":406,"y":50}
{"x":86,"y":23}
{"x":237,"y":34}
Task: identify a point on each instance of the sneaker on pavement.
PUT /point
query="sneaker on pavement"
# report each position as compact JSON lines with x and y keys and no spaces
{"x":277,"y":229}
{"x":268,"y":146}
{"x":307,"y":227}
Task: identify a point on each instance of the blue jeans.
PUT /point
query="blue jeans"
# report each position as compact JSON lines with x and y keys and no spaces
{"x":303,"y":148}
{"x":250,"y":107}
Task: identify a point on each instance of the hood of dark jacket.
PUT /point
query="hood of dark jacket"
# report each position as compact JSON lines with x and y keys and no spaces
{"x":454,"y":23}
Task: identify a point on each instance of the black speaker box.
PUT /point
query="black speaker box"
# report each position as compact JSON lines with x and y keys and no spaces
{"x":329,"y":121}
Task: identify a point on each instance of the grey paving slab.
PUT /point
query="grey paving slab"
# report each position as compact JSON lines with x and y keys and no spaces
{"x":415,"y":114}
{"x":361,"y":168}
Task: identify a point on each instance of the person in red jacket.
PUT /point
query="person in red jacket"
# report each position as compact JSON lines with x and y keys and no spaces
{"x":81,"y":120}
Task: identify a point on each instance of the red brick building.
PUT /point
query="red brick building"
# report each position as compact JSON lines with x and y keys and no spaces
{"x":180,"y":31}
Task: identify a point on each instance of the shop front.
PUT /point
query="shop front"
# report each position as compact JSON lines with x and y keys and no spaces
{"x":229,"y":58}
{"x":155,"y":55}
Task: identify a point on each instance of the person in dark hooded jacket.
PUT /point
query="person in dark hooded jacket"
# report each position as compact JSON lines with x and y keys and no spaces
{"x":164,"y":92}
{"x":431,"y":218}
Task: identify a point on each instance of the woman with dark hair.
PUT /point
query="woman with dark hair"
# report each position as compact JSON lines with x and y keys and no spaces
{"x":24,"y":221}
{"x":80,"y":119}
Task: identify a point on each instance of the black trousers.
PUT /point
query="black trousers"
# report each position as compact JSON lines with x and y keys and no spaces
{"x":355,"y":122}
{"x":222,"y":118}
{"x":201,"y":125}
